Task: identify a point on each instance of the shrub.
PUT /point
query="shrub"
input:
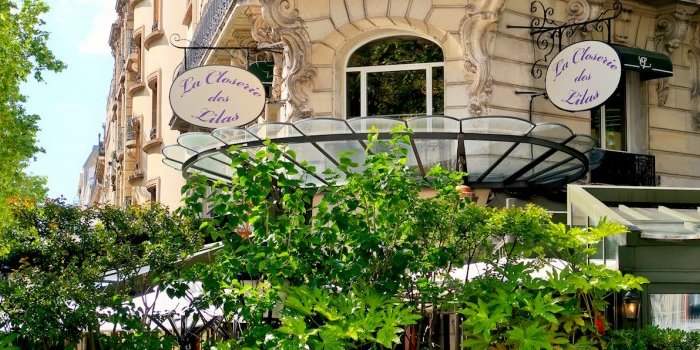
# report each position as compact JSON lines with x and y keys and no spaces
{"x":653,"y":338}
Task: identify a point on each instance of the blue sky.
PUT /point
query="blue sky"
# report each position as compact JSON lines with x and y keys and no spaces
{"x":72,"y":103}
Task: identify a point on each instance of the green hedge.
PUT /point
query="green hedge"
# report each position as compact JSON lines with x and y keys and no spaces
{"x":653,"y":338}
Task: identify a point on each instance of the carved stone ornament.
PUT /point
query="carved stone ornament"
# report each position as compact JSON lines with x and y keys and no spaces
{"x":477,"y":35}
{"x":262,"y":33}
{"x":671,"y":29}
{"x":622,"y":27}
{"x":286,"y":25}
{"x":239,"y":58}
{"x":578,"y":10}
{"x":694,"y":60}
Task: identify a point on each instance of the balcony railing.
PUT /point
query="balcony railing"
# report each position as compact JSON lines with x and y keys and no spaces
{"x":132,"y":131}
{"x":126,"y":48}
{"x":120,"y":140}
{"x":623,"y":168}
{"x":212,"y":20}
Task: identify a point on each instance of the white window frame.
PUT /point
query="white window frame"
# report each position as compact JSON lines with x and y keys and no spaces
{"x":428,"y":67}
{"x":636,"y":119}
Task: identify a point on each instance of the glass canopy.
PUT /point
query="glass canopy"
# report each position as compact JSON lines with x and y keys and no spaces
{"x":496,"y":152}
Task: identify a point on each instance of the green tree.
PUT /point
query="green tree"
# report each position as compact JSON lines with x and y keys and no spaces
{"x":70,"y":270}
{"x":24,"y":53}
{"x":375,"y":261}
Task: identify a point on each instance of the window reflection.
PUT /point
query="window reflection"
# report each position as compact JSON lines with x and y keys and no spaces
{"x":395,"y":76}
{"x":396,"y":93}
{"x":608,"y":122}
{"x":676,"y":311}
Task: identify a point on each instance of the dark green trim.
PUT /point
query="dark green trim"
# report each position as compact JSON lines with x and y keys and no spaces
{"x":263,"y":70}
{"x":649,"y":64}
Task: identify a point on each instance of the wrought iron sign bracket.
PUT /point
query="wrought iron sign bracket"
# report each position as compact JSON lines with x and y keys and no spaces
{"x":548,"y":35}
{"x":249,"y":50}
{"x":533,"y":95}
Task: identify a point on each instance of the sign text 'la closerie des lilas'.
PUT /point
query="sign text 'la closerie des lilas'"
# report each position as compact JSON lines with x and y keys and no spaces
{"x":217,"y":96}
{"x":583,"y":76}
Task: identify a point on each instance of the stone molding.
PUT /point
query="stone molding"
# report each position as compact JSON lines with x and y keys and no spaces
{"x":286,"y":24}
{"x":263,"y":34}
{"x":477,"y":33}
{"x":671,"y":30}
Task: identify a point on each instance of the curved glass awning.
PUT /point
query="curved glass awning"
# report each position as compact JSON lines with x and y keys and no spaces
{"x":496,"y":152}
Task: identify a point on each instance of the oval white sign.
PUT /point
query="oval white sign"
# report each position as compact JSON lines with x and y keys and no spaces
{"x":217,"y":96}
{"x":583,"y":76}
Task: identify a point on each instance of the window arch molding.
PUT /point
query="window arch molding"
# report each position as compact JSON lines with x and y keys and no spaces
{"x":346,"y":53}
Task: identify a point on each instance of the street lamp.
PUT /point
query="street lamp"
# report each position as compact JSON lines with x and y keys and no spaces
{"x":630,"y":305}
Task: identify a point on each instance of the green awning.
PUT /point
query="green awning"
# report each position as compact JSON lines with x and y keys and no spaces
{"x":263,"y":70}
{"x":649,"y":64}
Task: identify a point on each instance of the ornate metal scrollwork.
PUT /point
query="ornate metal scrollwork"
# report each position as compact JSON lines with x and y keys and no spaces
{"x":550,"y":36}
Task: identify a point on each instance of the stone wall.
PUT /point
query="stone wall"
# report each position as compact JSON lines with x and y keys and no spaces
{"x":486,"y":62}
{"x":670,"y":105}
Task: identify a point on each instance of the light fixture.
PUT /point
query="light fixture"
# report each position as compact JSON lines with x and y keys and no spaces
{"x":630,"y":305}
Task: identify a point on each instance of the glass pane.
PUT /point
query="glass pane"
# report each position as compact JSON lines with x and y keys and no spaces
{"x":434,"y":152}
{"x":610,"y":117}
{"x":353,"y":108}
{"x":596,"y":122}
{"x":198,"y":141}
{"x":481,"y":154}
{"x":434,"y":124}
{"x":396,"y":93}
{"x":364,"y":125}
{"x":317,"y":126}
{"x":438,"y":90}
{"x":516,"y":160}
{"x":396,"y":50}
{"x":496,"y":125}
{"x":615,"y":126}
{"x":676,"y":311}
{"x":307,"y":152}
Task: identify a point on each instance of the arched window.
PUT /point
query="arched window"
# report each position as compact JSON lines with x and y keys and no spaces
{"x":395,"y":76}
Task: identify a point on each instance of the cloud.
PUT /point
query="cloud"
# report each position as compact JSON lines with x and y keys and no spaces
{"x":96,"y":40}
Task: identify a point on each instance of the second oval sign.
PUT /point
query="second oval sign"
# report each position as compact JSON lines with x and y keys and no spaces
{"x":583,"y":76}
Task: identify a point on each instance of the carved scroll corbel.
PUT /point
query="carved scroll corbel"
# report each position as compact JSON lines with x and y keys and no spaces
{"x":694,"y":60}
{"x":262,"y":33}
{"x":578,"y":11}
{"x":671,"y":29}
{"x":476,"y":34}
{"x":286,"y":25}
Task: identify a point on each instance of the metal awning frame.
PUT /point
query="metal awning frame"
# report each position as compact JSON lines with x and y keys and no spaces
{"x":514,"y":181}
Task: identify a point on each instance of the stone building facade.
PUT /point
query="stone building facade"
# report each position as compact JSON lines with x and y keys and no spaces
{"x":137,"y":116}
{"x":485,"y":61}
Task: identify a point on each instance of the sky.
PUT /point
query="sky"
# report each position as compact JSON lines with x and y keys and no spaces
{"x":72,"y":103}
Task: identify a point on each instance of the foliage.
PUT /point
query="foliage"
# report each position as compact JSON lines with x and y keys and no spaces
{"x":653,"y":338}
{"x":24,"y":53}
{"x":63,"y":264}
{"x":136,"y":340}
{"x":367,"y":262}
{"x":7,"y":341}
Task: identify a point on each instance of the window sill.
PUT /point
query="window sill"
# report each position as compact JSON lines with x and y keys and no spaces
{"x":152,"y":38}
{"x":136,"y":88}
{"x":131,"y":143}
{"x":137,"y":176}
{"x":153,"y":146}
